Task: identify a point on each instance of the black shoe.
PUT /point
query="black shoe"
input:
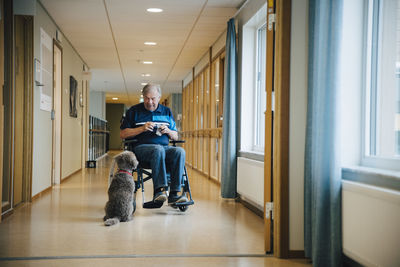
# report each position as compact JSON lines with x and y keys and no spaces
{"x":175,"y":198}
{"x":160,"y":196}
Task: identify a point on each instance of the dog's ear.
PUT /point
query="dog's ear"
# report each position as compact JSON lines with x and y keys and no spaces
{"x":135,"y":161}
{"x":119,"y":159}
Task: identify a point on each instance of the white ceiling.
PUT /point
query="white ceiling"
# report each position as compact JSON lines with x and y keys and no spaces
{"x":184,"y":31}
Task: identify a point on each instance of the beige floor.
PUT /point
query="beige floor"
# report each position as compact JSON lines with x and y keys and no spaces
{"x":65,"y":228}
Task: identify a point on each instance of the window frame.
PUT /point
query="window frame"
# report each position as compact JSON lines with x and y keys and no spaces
{"x":259,"y":73}
{"x":249,"y":53}
{"x":370,"y":91}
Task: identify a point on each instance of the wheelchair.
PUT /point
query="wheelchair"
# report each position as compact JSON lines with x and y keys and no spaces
{"x":141,"y":178}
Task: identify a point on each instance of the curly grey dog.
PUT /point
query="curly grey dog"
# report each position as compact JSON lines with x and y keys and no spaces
{"x":119,"y":207}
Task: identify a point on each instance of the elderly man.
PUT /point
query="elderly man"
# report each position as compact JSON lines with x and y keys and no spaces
{"x":152,"y":124}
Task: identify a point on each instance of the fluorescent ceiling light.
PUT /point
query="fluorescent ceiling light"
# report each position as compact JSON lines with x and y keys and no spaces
{"x":147,"y":62}
{"x":150,"y":43}
{"x":146,"y":75}
{"x":115,"y":98}
{"x":143,"y":84}
{"x":154,"y":10}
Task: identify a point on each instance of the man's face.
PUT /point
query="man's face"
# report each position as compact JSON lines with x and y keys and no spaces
{"x":151,"y":99}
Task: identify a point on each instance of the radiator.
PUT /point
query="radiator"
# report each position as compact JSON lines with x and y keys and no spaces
{"x":250,"y":180}
{"x":371,"y":224}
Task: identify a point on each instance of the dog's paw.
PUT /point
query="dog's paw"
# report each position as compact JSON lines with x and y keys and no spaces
{"x":111,"y":221}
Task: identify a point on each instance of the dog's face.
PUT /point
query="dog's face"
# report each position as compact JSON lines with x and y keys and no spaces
{"x":126,"y":161}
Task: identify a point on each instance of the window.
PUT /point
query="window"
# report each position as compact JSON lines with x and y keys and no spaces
{"x":253,"y":98}
{"x":382,"y":97}
{"x":260,"y":99}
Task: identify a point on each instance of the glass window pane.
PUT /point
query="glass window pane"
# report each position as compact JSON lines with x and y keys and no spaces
{"x":383,"y":117}
{"x":260,"y":101}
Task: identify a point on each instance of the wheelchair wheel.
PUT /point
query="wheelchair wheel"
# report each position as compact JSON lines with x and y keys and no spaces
{"x":183,"y":208}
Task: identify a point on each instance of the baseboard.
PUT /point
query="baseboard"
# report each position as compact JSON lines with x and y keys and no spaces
{"x":69,"y":176}
{"x":214,"y":180}
{"x":296,"y":254}
{"x":7,"y":214}
{"x":40,"y":194}
{"x":349,"y":262}
{"x":250,"y":205}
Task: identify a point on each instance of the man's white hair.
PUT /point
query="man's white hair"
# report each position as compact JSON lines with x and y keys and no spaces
{"x":151,"y":86}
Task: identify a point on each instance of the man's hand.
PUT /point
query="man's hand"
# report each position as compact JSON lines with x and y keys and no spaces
{"x":148,"y":126}
{"x":172,"y":134}
{"x":164,"y":129}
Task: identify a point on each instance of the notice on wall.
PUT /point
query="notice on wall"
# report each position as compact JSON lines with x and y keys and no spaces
{"x":46,"y":59}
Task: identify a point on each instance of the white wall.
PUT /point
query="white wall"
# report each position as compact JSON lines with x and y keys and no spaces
{"x":42,"y":124}
{"x":219,"y":44}
{"x":97,"y":104}
{"x":71,"y":127}
{"x":187,"y":79}
{"x":202,"y":63}
{"x":297,"y":125}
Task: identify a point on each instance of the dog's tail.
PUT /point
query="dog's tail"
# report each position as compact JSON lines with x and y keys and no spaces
{"x":111,"y":221}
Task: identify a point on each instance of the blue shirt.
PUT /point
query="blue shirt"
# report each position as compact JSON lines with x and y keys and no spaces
{"x":138,"y":115}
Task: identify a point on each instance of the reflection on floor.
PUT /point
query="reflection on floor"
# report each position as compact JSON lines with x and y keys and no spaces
{"x":64,"y":227}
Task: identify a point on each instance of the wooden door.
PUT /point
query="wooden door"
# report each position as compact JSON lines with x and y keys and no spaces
{"x":276,"y":168}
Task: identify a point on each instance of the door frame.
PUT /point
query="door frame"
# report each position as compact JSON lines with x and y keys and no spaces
{"x":57,"y":109}
{"x":23,"y":101}
{"x":28,"y":111}
{"x":281,"y":128}
{"x":8,"y":85}
{"x":1,"y":96}
{"x":276,"y":161}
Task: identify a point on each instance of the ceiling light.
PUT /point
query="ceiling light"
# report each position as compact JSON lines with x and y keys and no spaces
{"x":146,"y":75}
{"x":150,"y":43}
{"x":147,"y":62}
{"x":154,"y":10}
{"x":115,"y":98}
{"x":143,"y":84}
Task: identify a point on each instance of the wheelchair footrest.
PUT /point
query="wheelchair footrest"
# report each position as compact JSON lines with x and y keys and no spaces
{"x":181,"y":204}
{"x":152,"y":204}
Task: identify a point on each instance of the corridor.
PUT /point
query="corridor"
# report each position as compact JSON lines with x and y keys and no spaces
{"x":64,"y":227}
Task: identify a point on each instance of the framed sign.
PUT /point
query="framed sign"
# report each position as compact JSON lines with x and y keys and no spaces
{"x":72,"y":97}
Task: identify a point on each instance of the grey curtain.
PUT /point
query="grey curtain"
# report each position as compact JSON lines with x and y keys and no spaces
{"x":229,"y":135}
{"x":322,"y":199}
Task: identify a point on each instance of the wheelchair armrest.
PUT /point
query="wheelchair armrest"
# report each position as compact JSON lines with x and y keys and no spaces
{"x":174,"y":142}
{"x":129,"y":141}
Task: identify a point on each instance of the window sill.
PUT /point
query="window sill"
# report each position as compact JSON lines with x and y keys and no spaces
{"x":251,"y":155}
{"x":372,"y":176}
